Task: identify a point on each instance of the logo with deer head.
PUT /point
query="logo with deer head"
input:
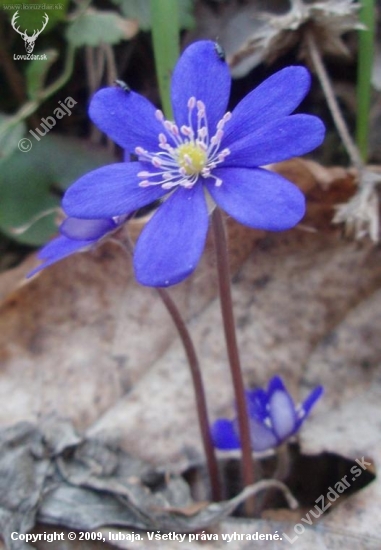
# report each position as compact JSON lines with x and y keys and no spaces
{"x":29,"y":40}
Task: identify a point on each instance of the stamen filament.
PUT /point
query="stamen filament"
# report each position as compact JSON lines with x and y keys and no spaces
{"x":187,"y":153}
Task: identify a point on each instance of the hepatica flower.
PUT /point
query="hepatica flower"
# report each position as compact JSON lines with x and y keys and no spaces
{"x":206,"y":151}
{"x":77,"y":235}
{"x":273,"y":418}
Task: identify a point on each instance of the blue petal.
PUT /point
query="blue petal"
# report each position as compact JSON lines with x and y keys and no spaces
{"x":279,"y":140}
{"x":224,"y":435}
{"x":86,"y":230}
{"x":201,"y":73}
{"x":276,"y":97}
{"x":258,"y":198}
{"x":127,"y":118}
{"x":308,"y":403}
{"x":282,"y":414}
{"x":171,"y":244}
{"x":275,"y":384}
{"x":57,"y":250}
{"x":257,"y":401}
{"x":262,"y":438}
{"x":109,"y":191}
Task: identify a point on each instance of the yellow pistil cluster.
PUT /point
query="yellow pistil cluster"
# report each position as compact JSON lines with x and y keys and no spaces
{"x":191,"y":158}
{"x":186,"y":154}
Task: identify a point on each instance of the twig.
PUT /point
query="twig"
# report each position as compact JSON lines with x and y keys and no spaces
{"x":329,"y":93}
{"x":360,"y":214}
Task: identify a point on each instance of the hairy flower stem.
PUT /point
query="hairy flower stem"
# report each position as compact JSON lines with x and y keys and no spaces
{"x":195,"y":371}
{"x":223,"y":270}
{"x":198,"y":390}
{"x":333,"y":105}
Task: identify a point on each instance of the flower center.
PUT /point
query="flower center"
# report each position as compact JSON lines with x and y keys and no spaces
{"x":185,"y":154}
{"x":191,"y":158}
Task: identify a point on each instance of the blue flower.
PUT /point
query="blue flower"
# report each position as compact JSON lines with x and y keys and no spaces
{"x":273,"y":418}
{"x":77,"y":235}
{"x":206,"y":153}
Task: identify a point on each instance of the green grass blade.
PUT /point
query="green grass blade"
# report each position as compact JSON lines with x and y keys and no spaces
{"x":364,"y":74}
{"x":165,"y":36}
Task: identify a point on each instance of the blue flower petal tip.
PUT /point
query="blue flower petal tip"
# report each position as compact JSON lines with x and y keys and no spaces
{"x":205,"y":148}
{"x":77,"y":235}
{"x":224,"y":435}
{"x":273,"y":418}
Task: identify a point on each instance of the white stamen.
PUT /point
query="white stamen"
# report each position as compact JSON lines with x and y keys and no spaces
{"x":185,"y":130}
{"x":186,"y":153}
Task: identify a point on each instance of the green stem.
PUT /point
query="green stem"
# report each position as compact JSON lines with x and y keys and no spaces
{"x":223,"y":269}
{"x":364,"y":74}
{"x":165,"y":37}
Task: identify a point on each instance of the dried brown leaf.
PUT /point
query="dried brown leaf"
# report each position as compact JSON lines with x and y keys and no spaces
{"x":255,"y":31}
{"x":66,"y":346}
